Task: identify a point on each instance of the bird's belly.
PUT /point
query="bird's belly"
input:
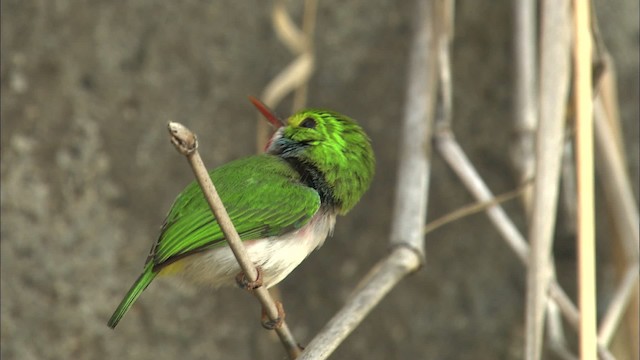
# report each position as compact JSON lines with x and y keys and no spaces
{"x":277,"y":256}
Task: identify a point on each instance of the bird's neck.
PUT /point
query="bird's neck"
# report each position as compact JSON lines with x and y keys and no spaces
{"x":314,"y":178}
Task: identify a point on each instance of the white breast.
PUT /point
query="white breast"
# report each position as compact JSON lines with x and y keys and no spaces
{"x":277,"y":256}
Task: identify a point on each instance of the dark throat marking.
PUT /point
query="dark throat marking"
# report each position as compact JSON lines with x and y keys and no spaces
{"x":313,"y":178}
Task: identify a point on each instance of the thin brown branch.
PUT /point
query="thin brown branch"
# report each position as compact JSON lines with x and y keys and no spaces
{"x":186,"y":143}
{"x":474,"y":208}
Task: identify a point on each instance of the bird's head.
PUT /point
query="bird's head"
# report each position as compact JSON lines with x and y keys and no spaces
{"x":328,"y":148}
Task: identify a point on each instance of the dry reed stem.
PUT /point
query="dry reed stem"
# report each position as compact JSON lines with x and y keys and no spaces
{"x":624,"y":213}
{"x":618,"y":193}
{"x":415,"y":151}
{"x":616,"y":183}
{"x":554,"y":78}
{"x":525,"y":124}
{"x":445,"y":23}
{"x":525,"y":107}
{"x":557,"y":340}
{"x":582,"y":90}
{"x":186,"y":143}
{"x":569,"y":192}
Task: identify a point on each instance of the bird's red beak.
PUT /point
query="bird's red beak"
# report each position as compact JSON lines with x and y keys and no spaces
{"x":267,"y":113}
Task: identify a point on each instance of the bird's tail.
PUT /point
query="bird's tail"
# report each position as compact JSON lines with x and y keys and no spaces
{"x":136,"y":289}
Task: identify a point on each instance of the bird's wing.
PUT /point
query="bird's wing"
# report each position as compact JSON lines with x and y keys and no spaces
{"x":263,"y":196}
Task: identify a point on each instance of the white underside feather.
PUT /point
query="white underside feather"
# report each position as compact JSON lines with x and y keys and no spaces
{"x":277,"y":256}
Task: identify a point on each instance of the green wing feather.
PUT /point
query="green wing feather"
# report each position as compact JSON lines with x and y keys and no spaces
{"x":263,"y":196}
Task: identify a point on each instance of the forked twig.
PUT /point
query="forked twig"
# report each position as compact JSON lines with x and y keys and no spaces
{"x":475,"y":208}
{"x":186,"y":143}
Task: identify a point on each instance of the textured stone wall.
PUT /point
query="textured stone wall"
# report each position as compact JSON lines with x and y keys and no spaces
{"x":88,"y":174}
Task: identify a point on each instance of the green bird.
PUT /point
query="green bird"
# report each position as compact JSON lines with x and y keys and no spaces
{"x":283,"y":203}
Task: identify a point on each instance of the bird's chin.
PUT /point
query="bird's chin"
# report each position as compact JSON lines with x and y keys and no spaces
{"x":272,"y":145}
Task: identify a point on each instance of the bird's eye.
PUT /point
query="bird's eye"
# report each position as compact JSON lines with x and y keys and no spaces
{"x":309,"y":123}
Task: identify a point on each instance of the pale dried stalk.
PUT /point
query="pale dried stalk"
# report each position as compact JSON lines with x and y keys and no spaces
{"x":414,"y":167}
{"x":569,"y":200}
{"x":525,"y":111}
{"x":296,"y":75}
{"x":554,"y":79}
{"x":525,"y":121}
{"x":308,"y":28}
{"x":623,"y":211}
{"x":582,"y":90}
{"x":186,"y":143}
{"x":616,"y":183}
{"x":445,"y":89}
{"x":557,"y":340}
{"x":624,"y":214}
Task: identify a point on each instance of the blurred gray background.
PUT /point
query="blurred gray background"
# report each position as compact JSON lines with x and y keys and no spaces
{"x":88,"y":174}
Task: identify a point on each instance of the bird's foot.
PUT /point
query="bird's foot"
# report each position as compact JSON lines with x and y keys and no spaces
{"x":273,"y":324}
{"x":244,"y":283}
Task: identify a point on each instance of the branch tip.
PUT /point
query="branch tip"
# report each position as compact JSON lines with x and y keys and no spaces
{"x":185,"y":141}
